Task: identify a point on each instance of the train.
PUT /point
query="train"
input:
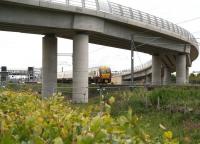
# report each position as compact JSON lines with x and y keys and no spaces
{"x":100,"y":74}
{"x":96,"y":75}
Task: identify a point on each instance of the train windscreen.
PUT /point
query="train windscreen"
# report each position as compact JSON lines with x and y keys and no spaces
{"x":105,"y":71}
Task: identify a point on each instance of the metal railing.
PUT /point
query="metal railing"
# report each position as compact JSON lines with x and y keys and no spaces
{"x":127,"y":12}
{"x":136,"y":69}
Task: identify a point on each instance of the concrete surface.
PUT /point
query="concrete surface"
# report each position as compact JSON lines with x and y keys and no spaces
{"x":156,"y":70}
{"x":49,"y":66}
{"x":167,"y":76}
{"x":181,"y":69}
{"x":80,"y":68}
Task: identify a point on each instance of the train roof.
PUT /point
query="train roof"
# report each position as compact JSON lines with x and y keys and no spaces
{"x":104,"y":67}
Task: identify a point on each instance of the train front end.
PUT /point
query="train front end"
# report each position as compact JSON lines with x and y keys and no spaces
{"x":105,"y":74}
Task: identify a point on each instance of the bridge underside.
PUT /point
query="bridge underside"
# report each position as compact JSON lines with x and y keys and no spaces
{"x":168,"y":56}
{"x":98,"y":38}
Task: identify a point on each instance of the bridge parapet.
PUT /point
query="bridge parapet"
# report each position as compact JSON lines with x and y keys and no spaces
{"x":118,"y":10}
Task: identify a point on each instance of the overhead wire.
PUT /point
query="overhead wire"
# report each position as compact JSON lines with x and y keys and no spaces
{"x":189,"y":20}
{"x":149,"y":42}
{"x":154,"y":39}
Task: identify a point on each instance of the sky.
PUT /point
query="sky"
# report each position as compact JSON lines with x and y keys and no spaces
{"x":18,"y":50}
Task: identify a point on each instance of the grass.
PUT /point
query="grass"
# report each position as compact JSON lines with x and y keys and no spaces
{"x":182,"y":125}
{"x":179,"y":109}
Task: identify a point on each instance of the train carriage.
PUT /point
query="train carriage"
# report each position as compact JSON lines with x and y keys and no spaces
{"x":96,"y":75}
{"x":100,"y":74}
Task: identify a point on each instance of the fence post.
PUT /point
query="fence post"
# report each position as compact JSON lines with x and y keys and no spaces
{"x":83,"y":3}
{"x":158,"y":103}
{"x":97,"y":5}
{"x":146,"y":101}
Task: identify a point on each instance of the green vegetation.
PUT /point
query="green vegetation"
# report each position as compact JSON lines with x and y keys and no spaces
{"x":27,"y":119}
{"x":165,"y":115}
{"x":174,"y":108}
{"x":24,"y":87}
{"x":194,"y":78}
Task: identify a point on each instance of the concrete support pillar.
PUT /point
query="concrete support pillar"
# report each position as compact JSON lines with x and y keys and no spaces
{"x":49,"y":66}
{"x":167,"y":76}
{"x":147,"y":80}
{"x":181,"y":69}
{"x":156,"y":70}
{"x":187,"y":75}
{"x":80,"y":68}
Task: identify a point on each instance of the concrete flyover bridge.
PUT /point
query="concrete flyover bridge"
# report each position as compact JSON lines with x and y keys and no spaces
{"x":142,"y":75}
{"x":100,"y":22}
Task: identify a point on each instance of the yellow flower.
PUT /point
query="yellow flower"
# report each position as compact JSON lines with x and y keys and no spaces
{"x":40,"y":119}
{"x":168,"y":135}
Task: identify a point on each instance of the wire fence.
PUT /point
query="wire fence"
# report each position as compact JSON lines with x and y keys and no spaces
{"x":98,"y":90}
{"x":171,"y":98}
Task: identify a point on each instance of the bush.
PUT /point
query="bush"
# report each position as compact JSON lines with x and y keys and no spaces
{"x":26,"y":118}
